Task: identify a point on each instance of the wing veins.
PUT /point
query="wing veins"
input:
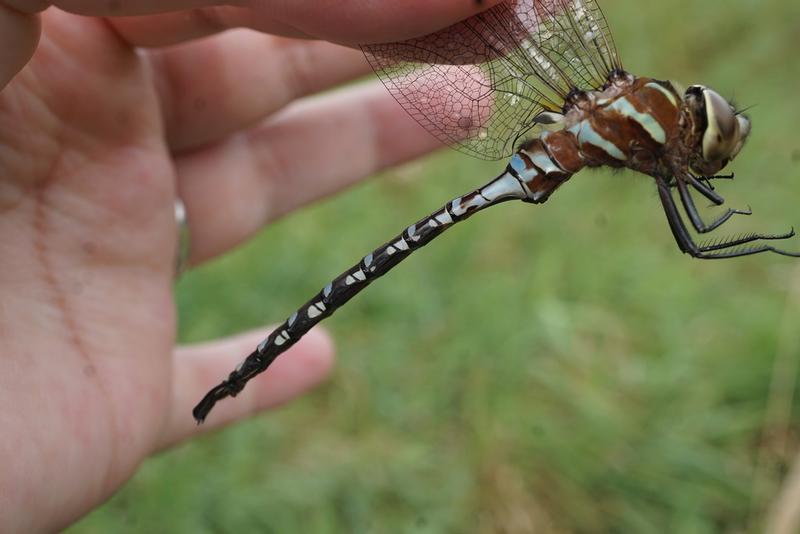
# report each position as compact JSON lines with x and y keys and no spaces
{"x":537,"y":70}
{"x":479,"y":84}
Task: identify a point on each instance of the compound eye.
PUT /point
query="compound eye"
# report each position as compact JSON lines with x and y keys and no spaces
{"x":723,"y":130}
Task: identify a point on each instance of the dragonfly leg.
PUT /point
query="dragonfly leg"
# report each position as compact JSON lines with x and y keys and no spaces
{"x":704,"y":186}
{"x":727,"y":248}
{"x":707,"y":179}
{"x":705,"y":190}
{"x":694,"y":216}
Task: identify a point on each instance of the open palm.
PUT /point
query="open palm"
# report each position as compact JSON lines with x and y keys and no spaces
{"x":97,"y":139}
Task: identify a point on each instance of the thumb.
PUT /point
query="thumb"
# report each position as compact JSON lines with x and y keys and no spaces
{"x":196,"y":368}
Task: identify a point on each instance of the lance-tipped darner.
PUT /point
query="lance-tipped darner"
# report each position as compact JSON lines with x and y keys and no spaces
{"x":548,"y":71}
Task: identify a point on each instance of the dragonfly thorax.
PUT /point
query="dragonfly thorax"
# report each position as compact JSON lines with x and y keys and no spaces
{"x":630,"y":122}
{"x":649,"y":126}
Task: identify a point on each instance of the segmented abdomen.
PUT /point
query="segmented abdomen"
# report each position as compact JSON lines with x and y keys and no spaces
{"x":543,"y":164}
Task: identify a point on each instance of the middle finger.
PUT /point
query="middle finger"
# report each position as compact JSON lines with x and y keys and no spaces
{"x":214,"y":87}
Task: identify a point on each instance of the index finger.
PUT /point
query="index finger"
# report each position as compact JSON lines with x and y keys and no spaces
{"x":19,"y":33}
{"x":345,"y":22}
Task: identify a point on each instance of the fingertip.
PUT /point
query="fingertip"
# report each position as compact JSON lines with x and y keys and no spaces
{"x":300,"y":368}
{"x":198,"y":368}
{"x":321,"y":350}
{"x":303,"y":367}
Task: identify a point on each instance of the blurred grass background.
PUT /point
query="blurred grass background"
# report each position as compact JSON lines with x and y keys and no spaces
{"x":549,"y":369}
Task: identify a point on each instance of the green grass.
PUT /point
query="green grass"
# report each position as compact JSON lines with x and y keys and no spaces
{"x":539,"y":369}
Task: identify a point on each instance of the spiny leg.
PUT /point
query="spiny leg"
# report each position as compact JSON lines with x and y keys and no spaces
{"x":505,"y":187}
{"x":731,"y":248}
{"x":730,"y":242}
{"x":703,"y":189}
{"x":703,"y":185}
{"x":707,"y":179}
{"x":679,"y":230}
{"x":749,"y":251}
{"x":694,"y":216}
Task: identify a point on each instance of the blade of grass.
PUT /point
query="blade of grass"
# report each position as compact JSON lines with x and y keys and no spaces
{"x":785,"y":511}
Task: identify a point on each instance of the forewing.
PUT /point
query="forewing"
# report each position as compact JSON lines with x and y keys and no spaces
{"x":479,"y":85}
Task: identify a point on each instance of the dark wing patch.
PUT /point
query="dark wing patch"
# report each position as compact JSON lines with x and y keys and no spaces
{"x":480,"y":84}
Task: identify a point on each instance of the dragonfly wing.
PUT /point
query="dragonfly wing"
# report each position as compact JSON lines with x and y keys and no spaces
{"x":480,"y":85}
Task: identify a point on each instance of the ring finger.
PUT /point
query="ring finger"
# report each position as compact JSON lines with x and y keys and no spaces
{"x":312,"y":149}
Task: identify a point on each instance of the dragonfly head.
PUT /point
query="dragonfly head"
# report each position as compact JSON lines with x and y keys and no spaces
{"x":719,"y":131}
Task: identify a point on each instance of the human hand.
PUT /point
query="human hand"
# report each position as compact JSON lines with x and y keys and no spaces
{"x":96,"y":140}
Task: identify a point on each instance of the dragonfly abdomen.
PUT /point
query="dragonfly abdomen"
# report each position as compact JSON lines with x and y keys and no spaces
{"x":507,"y":186}
{"x":543,"y":164}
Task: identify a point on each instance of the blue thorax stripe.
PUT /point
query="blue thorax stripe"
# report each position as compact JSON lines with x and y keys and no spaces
{"x":645,"y":120}
{"x":586,"y":134}
{"x":667,"y":92}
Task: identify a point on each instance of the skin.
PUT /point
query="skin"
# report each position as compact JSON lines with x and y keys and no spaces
{"x":96,"y":141}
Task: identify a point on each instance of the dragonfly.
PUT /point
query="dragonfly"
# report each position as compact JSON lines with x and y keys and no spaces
{"x":539,"y":82}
